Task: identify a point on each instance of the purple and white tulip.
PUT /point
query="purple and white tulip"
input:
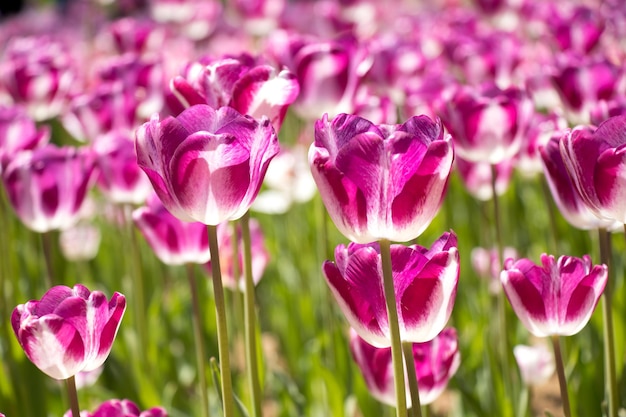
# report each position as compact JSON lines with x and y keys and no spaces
{"x":425,"y":282}
{"x":18,"y":132}
{"x":69,"y":330}
{"x":477,"y":177}
{"x":536,"y":363}
{"x":174,"y":241}
{"x":47,"y":186}
{"x":595,"y":162}
{"x":556,"y":298}
{"x":121,"y":408}
{"x":436,"y":362}
{"x":206,"y":165}
{"x":381,"y":181}
{"x":487,"y":124}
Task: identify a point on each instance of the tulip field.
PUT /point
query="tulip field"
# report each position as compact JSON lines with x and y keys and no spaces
{"x":351,"y":208}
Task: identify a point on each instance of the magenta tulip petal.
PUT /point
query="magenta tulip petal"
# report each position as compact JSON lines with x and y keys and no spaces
{"x":557,"y":298}
{"x":69,"y":330}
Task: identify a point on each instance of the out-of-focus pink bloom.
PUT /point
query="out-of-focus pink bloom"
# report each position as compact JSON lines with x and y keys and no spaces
{"x":206,"y":165}
{"x":132,"y":35}
{"x":379,"y":109}
{"x":381,"y":181}
{"x":119,"y":177}
{"x":436,"y":361}
{"x":38,"y":73}
{"x":328,"y":71}
{"x":69,"y":330}
{"x":582,"y":82}
{"x":487,"y":124}
{"x":195,"y":19}
{"x":425,"y":282}
{"x":607,"y":109}
{"x":536,"y":363}
{"x":288,"y":180}
{"x":47,"y":186}
{"x":260,"y":255}
{"x":566,"y":196}
{"x":556,"y":298}
{"x":80,"y":242}
{"x":477,"y":177}
{"x":486,"y":264}
{"x":595,"y":162}
{"x":578,"y":29}
{"x":85,"y":379}
{"x":18,"y":132}
{"x":259,"y":17}
{"x":174,"y":241}
{"x":541,"y":128}
{"x":252,"y":89}
{"x":121,"y":408}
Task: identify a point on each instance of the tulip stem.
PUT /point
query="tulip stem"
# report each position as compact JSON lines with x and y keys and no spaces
{"x":409,"y":361}
{"x":504,"y":347}
{"x":70,"y":383}
{"x":607,"y":312}
{"x":222,"y":329}
{"x":560,"y":370}
{"x":394,"y":328}
{"x":547,"y":196}
{"x":250,"y":318}
{"x":198,"y":339}
{"x":46,"y":248}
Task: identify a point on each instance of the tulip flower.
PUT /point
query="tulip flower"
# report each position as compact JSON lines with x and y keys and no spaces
{"x":436,"y":361}
{"x":381,"y":182}
{"x":486,"y":263}
{"x":487,"y":123}
{"x":579,"y":30}
{"x":121,"y":408}
{"x":206,"y":165}
{"x":47,"y":186}
{"x":260,"y":255}
{"x":174,"y":241}
{"x":69,"y":330}
{"x":477,"y":177}
{"x":119,"y":176}
{"x":80,"y":242}
{"x":425,"y":282}
{"x":536,"y":363}
{"x":566,"y":196}
{"x":556,"y":298}
{"x":252,"y":89}
{"x":18,"y":132}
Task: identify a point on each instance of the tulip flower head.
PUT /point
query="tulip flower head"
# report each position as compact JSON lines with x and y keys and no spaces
{"x":436,"y":361}
{"x":556,"y":298}
{"x":536,"y":363}
{"x":121,"y":408}
{"x":69,"y":330}
{"x":206,"y":165}
{"x":18,"y":132}
{"x":381,"y":182}
{"x":425,"y":283}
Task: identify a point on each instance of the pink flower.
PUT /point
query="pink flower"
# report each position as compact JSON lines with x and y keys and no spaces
{"x":425,"y":282}
{"x":556,"y":298}
{"x":477,"y":177}
{"x":436,"y":362}
{"x":47,"y":186}
{"x":595,"y":163}
{"x":536,"y":363}
{"x":18,"y":132}
{"x":80,"y":242}
{"x":206,"y":165}
{"x":174,"y":241}
{"x":121,"y":408}
{"x":250,"y":88}
{"x":487,"y":124}
{"x":381,"y":181}
{"x":69,"y":330}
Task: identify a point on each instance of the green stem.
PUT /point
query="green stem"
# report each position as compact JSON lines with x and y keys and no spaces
{"x":394,"y":328}
{"x":609,"y":341}
{"x":222,"y":330}
{"x":560,"y":370}
{"x":504,"y":347}
{"x":46,"y":248}
{"x":250,"y":318}
{"x":409,"y":361}
{"x":198,"y":339}
{"x":547,"y":196}
{"x":70,"y":383}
